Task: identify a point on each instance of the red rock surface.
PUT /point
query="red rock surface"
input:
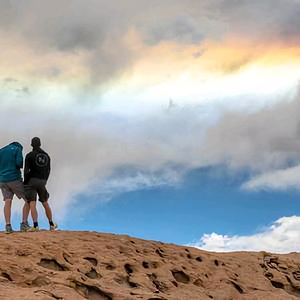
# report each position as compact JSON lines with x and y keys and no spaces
{"x":88,"y":265}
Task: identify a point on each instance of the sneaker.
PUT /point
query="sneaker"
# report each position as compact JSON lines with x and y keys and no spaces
{"x":8,"y":229}
{"x":53,"y":227}
{"x":24,"y":227}
{"x":33,"y":229}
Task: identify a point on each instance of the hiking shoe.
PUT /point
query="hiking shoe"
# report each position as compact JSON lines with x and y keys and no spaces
{"x":33,"y":229}
{"x":8,"y":229}
{"x":53,"y":227}
{"x":24,"y":227}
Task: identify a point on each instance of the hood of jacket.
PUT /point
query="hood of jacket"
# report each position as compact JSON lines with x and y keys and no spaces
{"x":17,"y":145}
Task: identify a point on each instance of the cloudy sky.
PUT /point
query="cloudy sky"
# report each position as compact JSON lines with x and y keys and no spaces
{"x":167,"y":120}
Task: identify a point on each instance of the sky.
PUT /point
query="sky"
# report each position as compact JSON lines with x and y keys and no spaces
{"x":166,"y":120}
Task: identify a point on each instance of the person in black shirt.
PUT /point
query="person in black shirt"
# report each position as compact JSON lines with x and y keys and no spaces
{"x":36,"y":174}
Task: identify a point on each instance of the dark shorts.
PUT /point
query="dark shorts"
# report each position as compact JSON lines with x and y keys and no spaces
{"x":36,"y":187}
{"x":9,"y":189}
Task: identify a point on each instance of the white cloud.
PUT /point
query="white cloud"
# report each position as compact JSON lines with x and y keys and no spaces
{"x":278,"y":180}
{"x":281,"y":237}
{"x":88,"y":143}
{"x":133,"y":179}
{"x":88,"y":137}
{"x":88,"y":146}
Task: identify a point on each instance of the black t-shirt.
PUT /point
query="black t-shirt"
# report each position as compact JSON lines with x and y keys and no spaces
{"x":37,"y":165}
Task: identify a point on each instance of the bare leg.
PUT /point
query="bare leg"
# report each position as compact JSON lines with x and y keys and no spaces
{"x":7,"y":210}
{"x":48,"y":210}
{"x":26,"y":210}
{"x":34,"y":213}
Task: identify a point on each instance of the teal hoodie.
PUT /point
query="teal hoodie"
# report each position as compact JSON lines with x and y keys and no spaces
{"x":11,"y":161}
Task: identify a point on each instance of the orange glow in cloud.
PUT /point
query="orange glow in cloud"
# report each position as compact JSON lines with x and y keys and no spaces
{"x":166,"y":63}
{"x":211,"y":58}
{"x":214,"y":69}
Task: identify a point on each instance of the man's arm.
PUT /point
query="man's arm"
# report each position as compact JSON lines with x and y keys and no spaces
{"x":19,"y":158}
{"x":48,"y":168}
{"x":27,"y":169}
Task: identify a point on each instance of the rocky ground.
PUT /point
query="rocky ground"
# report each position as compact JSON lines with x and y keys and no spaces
{"x":89,"y":265}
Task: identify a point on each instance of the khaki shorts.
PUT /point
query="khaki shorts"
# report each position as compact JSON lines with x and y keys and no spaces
{"x":9,"y":189}
{"x":36,"y":187}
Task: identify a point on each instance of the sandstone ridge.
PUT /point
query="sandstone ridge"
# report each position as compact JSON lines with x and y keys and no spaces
{"x":88,"y":265}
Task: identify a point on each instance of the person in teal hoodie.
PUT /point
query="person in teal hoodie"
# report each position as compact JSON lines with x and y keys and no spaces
{"x":11,"y":163}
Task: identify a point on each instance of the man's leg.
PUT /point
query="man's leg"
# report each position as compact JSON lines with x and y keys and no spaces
{"x":7,"y":210}
{"x":26,"y":210}
{"x":18,"y":189}
{"x":7,"y":214}
{"x":47,"y":210}
{"x":43,"y":198}
{"x":30,"y":204}
{"x":34,"y":213}
{"x":7,"y":196}
{"x":24,"y":226}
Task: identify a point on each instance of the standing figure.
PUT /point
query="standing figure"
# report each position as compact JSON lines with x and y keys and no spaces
{"x":36,"y":174}
{"x":11,"y":162}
